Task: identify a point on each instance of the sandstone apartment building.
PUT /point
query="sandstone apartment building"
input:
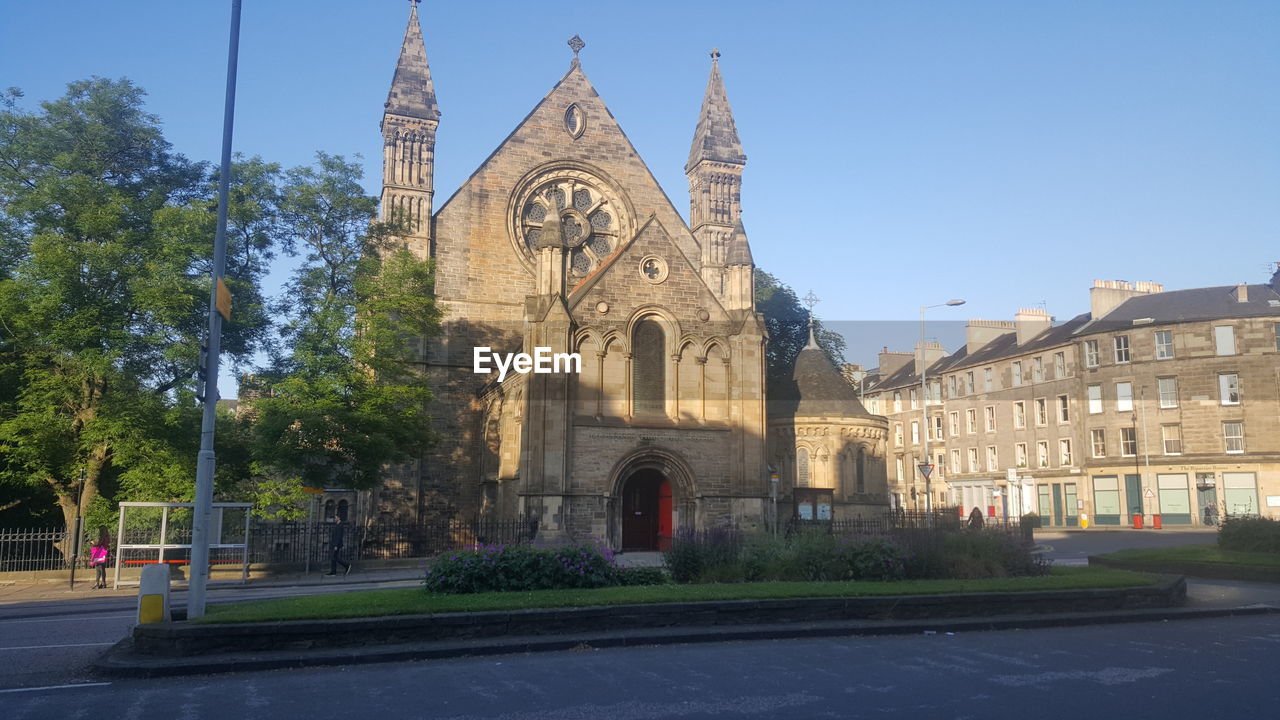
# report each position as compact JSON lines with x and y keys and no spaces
{"x":1153,"y":404}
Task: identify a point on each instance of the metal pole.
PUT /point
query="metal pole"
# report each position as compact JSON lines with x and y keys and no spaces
{"x":924,"y":422}
{"x":206,"y":460}
{"x":1146,"y":449}
{"x":77,"y":533}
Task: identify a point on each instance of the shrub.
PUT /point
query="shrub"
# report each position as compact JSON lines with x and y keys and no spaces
{"x":1031,"y":520}
{"x":493,"y":568}
{"x":1249,"y":534}
{"x":693,"y":551}
{"x":640,"y":576}
{"x":873,"y":559}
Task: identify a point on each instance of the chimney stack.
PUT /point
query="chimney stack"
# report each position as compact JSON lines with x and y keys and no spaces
{"x":1030,"y":322}
{"x":892,"y":362}
{"x":1241,"y":293}
{"x":977,"y":333}
{"x":1107,"y":295}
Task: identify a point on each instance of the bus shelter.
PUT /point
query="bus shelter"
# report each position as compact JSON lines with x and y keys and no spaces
{"x":160,"y":532}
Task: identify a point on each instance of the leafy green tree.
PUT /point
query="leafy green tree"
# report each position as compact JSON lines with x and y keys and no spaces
{"x":106,"y":239}
{"x":788,"y":326}
{"x":344,"y":395}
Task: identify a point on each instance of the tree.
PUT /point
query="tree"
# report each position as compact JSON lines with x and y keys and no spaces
{"x":344,"y":396}
{"x":788,"y":326}
{"x":106,"y":240}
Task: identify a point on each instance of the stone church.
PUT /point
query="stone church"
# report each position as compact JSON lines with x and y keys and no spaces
{"x":562,"y":239}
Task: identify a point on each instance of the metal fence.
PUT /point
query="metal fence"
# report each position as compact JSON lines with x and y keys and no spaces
{"x":300,"y":543}
{"x":940,"y":518}
{"x":307,"y":543}
{"x":35,"y":549}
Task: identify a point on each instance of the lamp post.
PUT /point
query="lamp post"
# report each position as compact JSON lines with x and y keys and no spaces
{"x":858,"y":376}
{"x":924,"y":409}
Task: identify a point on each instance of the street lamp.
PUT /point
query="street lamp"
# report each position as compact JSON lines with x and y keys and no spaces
{"x":858,"y":376}
{"x":924,"y":410}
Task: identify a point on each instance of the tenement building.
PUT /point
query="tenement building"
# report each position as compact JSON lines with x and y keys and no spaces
{"x":562,"y":242}
{"x":1154,"y":406}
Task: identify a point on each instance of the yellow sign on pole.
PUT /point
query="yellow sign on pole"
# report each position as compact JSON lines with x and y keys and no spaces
{"x":224,"y":300}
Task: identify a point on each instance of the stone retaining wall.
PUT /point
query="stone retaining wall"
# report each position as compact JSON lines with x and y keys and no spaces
{"x":178,"y":639}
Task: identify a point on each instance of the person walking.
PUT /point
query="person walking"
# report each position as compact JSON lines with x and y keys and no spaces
{"x":336,"y":536}
{"x":99,"y":556}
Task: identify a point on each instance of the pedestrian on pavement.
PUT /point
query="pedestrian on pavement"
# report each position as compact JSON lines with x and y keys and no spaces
{"x":99,"y":556}
{"x":975,"y":519}
{"x":336,"y":537}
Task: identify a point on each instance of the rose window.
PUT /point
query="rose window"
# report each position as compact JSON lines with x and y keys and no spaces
{"x":589,"y":226}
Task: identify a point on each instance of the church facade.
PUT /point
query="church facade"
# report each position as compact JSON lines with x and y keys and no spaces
{"x":563,"y":240}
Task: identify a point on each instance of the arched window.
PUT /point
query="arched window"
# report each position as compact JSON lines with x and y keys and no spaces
{"x":648,"y":368}
{"x":862,"y":470}
{"x":328,"y":509}
{"x":342,"y":510}
{"x":802,"y":467}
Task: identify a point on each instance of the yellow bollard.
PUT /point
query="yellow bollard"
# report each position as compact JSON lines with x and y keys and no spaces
{"x":1084,"y":521}
{"x":153,"y":594}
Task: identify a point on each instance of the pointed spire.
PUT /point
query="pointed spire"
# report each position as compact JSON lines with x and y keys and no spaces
{"x":811,"y":300}
{"x":412,"y":92}
{"x":551,"y":235}
{"x":739,"y":251}
{"x":716,"y":137}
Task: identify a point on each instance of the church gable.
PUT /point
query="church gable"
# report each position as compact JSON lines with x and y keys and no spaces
{"x":651,"y":271}
{"x":568,"y":153}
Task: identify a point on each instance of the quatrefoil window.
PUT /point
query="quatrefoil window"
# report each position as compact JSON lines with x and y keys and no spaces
{"x":653,"y":269}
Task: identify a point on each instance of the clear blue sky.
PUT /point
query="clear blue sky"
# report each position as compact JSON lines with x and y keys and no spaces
{"x":900,"y":153}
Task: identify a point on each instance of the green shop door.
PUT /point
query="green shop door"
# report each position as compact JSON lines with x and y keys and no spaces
{"x":1073,"y":513}
{"x":1133,"y":495}
{"x":1057,"y":504}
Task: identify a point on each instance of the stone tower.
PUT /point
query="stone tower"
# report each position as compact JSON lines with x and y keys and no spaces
{"x":714,"y":170}
{"x":409,"y":121}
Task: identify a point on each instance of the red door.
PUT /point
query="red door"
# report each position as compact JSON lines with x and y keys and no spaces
{"x":646,"y":511}
{"x":664,"y":515}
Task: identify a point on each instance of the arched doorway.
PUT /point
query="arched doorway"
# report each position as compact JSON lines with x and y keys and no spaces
{"x":646,"y":511}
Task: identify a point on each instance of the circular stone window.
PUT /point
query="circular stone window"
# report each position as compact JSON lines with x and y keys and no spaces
{"x":592,"y":219}
{"x":653,"y":269}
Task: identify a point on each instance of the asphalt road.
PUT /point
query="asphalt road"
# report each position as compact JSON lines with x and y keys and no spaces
{"x":54,"y":642}
{"x":1201,"y":668}
{"x":1074,"y":548}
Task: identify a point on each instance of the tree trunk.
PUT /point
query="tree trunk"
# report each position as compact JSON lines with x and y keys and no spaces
{"x":67,"y":490}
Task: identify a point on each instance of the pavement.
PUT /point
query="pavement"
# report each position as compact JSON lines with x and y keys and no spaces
{"x":30,"y":594}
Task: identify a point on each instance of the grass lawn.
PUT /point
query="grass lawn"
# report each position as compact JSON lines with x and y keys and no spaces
{"x":371,"y":603}
{"x":1196,"y":554}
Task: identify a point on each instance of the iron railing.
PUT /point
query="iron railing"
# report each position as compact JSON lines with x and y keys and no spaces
{"x":299,"y":543}
{"x":36,"y":549}
{"x":940,"y":518}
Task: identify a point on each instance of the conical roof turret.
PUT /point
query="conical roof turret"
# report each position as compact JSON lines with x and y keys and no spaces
{"x":412,"y":92}
{"x":716,"y":137}
{"x":816,"y":388}
{"x":739,"y":251}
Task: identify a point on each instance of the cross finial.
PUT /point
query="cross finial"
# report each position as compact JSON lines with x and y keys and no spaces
{"x":414,"y":3}
{"x":811,"y":300}
{"x":715,"y":54}
{"x":576,"y":44}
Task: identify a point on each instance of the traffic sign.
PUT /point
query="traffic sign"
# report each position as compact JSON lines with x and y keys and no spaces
{"x":1148,"y":493}
{"x":926,"y":469}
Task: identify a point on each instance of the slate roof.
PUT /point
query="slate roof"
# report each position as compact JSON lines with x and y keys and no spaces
{"x":1194,"y":305}
{"x":716,"y":137}
{"x":816,"y":389}
{"x":739,"y":252}
{"x":412,"y":92}
{"x":1164,"y":308}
